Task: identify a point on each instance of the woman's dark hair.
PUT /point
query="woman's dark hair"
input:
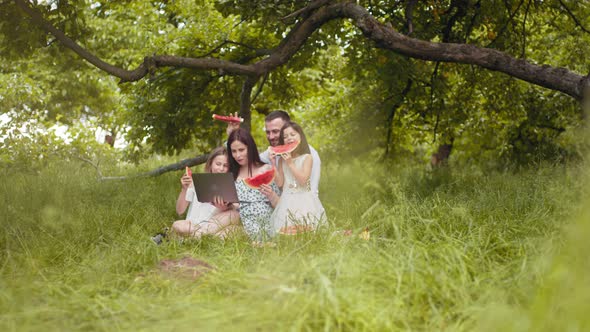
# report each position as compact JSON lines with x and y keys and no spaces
{"x":243,"y":136}
{"x":219,"y":151}
{"x":303,"y":147}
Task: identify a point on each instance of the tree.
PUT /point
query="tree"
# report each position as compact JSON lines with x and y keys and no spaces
{"x":378,"y":35}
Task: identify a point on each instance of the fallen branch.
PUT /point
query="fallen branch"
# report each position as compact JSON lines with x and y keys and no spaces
{"x":158,"y":171}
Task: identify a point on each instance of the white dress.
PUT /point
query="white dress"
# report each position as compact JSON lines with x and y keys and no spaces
{"x":314,"y":179}
{"x":299,"y":209}
{"x":198,"y":212}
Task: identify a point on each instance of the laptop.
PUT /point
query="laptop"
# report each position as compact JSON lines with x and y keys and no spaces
{"x":209,"y":185}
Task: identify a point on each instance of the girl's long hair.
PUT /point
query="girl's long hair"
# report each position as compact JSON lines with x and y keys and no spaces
{"x":303,"y":147}
{"x":219,"y":151}
{"x":242,"y":135}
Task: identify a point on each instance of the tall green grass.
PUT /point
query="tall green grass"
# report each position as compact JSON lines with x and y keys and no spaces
{"x":453,"y":250}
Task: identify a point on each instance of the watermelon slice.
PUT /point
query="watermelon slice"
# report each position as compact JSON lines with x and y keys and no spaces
{"x":286,"y":148}
{"x":256,"y":181}
{"x":188,"y":171}
{"x":228,"y":119}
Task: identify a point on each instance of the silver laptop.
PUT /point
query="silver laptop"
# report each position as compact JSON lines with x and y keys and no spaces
{"x":209,"y":185}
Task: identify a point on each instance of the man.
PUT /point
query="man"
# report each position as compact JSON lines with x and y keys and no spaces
{"x":273,"y":123}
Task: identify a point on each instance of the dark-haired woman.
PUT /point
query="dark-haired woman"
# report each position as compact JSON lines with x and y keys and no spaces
{"x":256,"y":205}
{"x":299,"y":209}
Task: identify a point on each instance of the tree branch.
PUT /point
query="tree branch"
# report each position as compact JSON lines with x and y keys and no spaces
{"x":160,"y":170}
{"x":559,"y":79}
{"x":143,"y":69}
{"x":305,"y":10}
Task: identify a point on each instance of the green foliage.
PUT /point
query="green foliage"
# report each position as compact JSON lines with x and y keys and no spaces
{"x":350,"y":96}
{"x":452,"y":251}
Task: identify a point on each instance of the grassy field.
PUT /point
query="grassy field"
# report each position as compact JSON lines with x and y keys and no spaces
{"x":458,"y":250}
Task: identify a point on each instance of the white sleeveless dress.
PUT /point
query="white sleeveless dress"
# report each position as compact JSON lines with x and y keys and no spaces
{"x":299,"y":210}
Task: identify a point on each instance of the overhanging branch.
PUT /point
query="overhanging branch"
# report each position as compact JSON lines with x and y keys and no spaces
{"x":559,"y":79}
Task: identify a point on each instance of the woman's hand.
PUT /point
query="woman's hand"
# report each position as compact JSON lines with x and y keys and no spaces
{"x":232,"y":126}
{"x":267,"y":191}
{"x":219,"y":203}
{"x":186,"y":181}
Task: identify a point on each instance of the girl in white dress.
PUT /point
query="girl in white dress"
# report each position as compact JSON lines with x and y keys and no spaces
{"x":298,"y":210}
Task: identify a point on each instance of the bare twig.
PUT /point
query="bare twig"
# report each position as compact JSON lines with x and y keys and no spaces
{"x":578,"y":23}
{"x":259,"y":90}
{"x":472,"y":21}
{"x":526,"y":13}
{"x":92,"y":164}
{"x":461,"y":11}
{"x":410,"y":5}
{"x":505,"y":26}
{"x":313,"y":5}
{"x":394,"y":109}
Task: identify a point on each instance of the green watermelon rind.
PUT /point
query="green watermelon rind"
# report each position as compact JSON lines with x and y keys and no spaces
{"x":256,"y":181}
{"x":285,"y":148}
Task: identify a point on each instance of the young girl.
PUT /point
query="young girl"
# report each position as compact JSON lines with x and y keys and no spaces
{"x":204,"y":218}
{"x":256,"y":205}
{"x":299,"y":210}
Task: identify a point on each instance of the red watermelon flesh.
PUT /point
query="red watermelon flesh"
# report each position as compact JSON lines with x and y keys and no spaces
{"x":188,"y":171}
{"x":286,"y":148}
{"x":256,"y":181}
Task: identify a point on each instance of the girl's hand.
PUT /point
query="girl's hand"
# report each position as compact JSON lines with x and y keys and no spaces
{"x":219,"y":203}
{"x":272,"y":157}
{"x":232,"y":126}
{"x":186,"y":181}
{"x":287,"y":157}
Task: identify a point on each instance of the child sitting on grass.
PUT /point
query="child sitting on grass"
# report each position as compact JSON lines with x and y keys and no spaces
{"x":201,"y":217}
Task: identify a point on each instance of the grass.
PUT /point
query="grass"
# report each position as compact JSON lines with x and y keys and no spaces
{"x":455,"y":250}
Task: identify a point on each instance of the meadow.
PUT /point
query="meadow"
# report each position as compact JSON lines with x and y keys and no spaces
{"x":460,"y":249}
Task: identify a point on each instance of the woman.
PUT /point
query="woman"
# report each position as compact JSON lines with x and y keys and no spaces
{"x":256,"y":205}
